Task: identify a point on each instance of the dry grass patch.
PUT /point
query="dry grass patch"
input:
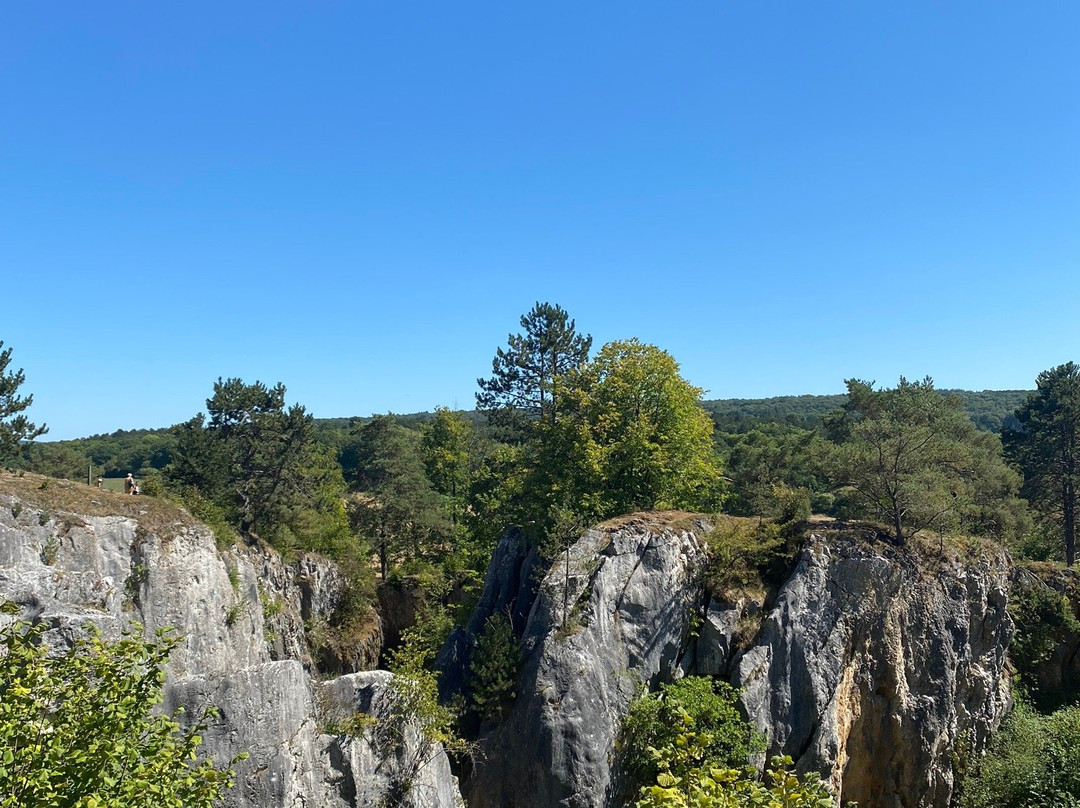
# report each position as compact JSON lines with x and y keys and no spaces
{"x":65,"y":496}
{"x":658,"y":521}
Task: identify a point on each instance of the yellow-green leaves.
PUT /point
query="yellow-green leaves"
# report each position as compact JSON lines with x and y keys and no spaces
{"x":78,"y":730}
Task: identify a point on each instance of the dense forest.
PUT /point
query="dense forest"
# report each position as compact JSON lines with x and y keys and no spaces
{"x":564,"y":436}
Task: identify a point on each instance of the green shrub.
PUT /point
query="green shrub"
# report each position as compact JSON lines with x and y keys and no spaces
{"x":1043,"y":617}
{"x":657,"y":721}
{"x":1033,"y":761}
{"x":749,"y":553}
{"x":80,"y":728}
{"x":712,"y":787}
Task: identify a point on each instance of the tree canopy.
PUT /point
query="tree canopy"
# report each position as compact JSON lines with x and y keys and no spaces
{"x":1045,"y":447}
{"x":635,"y":435}
{"x":521,"y":387}
{"x":251,"y":447}
{"x":15,"y":427}
{"x":913,"y":458}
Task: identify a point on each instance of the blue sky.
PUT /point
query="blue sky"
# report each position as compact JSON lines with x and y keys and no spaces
{"x":360,"y":199}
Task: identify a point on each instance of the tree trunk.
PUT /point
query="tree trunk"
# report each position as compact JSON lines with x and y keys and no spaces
{"x":898,"y":527}
{"x":1069,"y":508}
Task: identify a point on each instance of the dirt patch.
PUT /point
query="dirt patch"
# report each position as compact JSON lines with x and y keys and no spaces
{"x":51,"y":494}
{"x":658,"y":520}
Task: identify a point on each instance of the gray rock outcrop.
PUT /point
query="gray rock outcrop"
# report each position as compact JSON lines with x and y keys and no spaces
{"x":610,"y":616}
{"x":868,"y":664}
{"x":872,"y":668}
{"x":243,"y":614}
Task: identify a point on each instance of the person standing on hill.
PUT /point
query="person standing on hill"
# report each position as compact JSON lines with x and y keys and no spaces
{"x":129,"y":484}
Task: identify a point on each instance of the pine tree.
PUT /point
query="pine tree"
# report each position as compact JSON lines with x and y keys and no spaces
{"x":1046,"y":448}
{"x":14,"y":426}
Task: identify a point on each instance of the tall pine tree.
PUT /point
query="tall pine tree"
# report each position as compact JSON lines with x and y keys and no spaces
{"x":1046,"y":448}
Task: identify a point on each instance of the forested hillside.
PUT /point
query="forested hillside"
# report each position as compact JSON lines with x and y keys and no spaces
{"x":140,"y":450}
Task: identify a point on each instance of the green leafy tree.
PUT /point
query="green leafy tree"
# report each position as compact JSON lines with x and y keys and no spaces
{"x":79,"y":729}
{"x":912,"y":457}
{"x":445,"y":448}
{"x":768,"y":465}
{"x":635,"y":436}
{"x":701,"y":787}
{"x":657,"y":724}
{"x":397,"y":506}
{"x":1033,"y":761}
{"x":15,"y":428}
{"x":1045,"y":446}
{"x":521,"y":387}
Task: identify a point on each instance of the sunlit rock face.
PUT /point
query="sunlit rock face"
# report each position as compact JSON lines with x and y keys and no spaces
{"x":874,"y":669}
{"x":865,"y":664}
{"x":611,"y":614}
{"x":241,"y":613}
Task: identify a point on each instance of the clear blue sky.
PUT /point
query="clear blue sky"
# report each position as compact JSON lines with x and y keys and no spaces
{"x":360,"y":199}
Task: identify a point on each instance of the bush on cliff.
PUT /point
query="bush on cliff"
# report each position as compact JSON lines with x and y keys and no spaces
{"x":78,"y":730}
{"x":1034,"y":760}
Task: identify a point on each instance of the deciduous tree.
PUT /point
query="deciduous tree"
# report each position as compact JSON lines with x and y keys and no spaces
{"x":79,"y":729}
{"x":635,"y":436}
{"x":913,"y":458}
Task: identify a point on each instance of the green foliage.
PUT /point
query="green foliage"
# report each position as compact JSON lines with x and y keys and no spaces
{"x":153,"y":484}
{"x":414,"y":702}
{"x":653,"y":737}
{"x":496,"y":662}
{"x":1033,"y":761}
{"x":398,"y":508}
{"x":748,"y":554}
{"x":521,"y":389}
{"x":912,"y":458}
{"x":15,"y":428}
{"x":988,"y":409}
{"x":715,"y":787}
{"x":1044,"y":619}
{"x":1045,"y":446}
{"x":112,"y":455}
{"x":445,"y":447}
{"x":769,"y":466}
{"x":631,"y":437}
{"x":78,"y":730}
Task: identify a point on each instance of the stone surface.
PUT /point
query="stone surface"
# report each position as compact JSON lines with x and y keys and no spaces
{"x":242,"y":614}
{"x":611,"y":616}
{"x":871,"y":667}
{"x":391,"y":762}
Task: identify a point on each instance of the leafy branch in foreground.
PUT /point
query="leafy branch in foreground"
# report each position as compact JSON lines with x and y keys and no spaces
{"x":78,"y":730}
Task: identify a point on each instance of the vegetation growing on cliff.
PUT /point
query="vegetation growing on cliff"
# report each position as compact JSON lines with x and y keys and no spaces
{"x":687,"y":746}
{"x":79,"y":730}
{"x":1033,"y":761}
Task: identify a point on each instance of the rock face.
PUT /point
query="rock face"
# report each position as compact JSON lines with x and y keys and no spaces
{"x":242,"y":615}
{"x":867,"y":666}
{"x":611,"y":615}
{"x":871,"y":669}
{"x":868,"y":663}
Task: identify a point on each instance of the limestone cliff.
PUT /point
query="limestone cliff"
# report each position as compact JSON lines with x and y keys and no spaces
{"x":870,"y":664}
{"x":874,"y":667}
{"x":70,"y":555}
